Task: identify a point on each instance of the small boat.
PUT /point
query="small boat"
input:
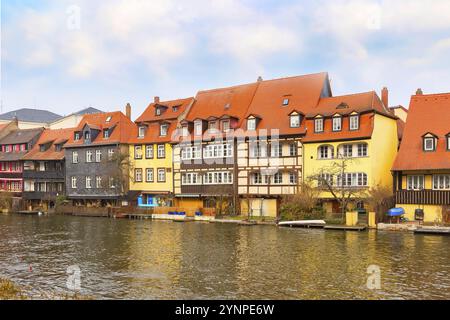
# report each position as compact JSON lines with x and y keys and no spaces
{"x":303,"y":223}
{"x":396,"y":212}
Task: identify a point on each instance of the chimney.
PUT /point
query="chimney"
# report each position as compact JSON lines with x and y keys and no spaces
{"x":157,"y":100}
{"x":419,"y":92}
{"x":385,"y":97}
{"x":260,"y":79}
{"x":15,"y":120}
{"x":128,"y":111}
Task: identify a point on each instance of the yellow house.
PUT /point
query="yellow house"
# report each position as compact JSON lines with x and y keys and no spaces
{"x":422,"y":167}
{"x":151,"y":153}
{"x":351,"y":142}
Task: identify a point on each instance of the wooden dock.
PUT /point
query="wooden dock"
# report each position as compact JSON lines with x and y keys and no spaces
{"x":305,"y":226}
{"x":345,"y":228}
{"x":433,"y":231}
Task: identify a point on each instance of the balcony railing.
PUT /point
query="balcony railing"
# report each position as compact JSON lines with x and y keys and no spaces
{"x":432,"y":197}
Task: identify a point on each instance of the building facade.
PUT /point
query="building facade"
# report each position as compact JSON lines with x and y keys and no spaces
{"x":44,"y":170}
{"x":97,"y":160}
{"x":422,"y":167}
{"x":12,"y":149}
{"x":151,"y":155}
{"x":350,"y":144}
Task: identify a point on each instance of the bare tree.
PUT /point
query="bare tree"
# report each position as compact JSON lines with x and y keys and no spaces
{"x":120,"y":170}
{"x":381,"y":199}
{"x":335,"y":180}
{"x":301,"y":205}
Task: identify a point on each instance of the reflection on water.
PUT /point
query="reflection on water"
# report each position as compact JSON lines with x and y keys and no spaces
{"x":165,"y":260}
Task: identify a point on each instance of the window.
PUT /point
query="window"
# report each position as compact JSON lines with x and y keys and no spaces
{"x":88,"y":182}
{"x":354,"y":122}
{"x":362,"y":150}
{"x":429,"y":144}
{"x":212,"y":125}
{"x":77,"y":136}
{"x":141,"y":132}
{"x":295,"y":121}
{"x":161,"y":151}
{"x":251,"y":124}
{"x":318,"y":125}
{"x":326,"y":152}
{"x":191,"y":179}
{"x":218,"y":178}
{"x":158,"y":111}
{"x":258,"y":150}
{"x":109,"y":119}
{"x":175,"y":108}
{"x":89,"y":156}
{"x":292,"y":149}
{"x":110,"y":154}
{"x":87,"y":136}
{"x":198,"y":128}
{"x":74,"y":157}
{"x":256,"y":178}
{"x":184,"y":131}
{"x":346,"y":150}
{"x":285,"y":102}
{"x":325,"y":179}
{"x":163,"y":130}
{"x":292,"y":178}
{"x":98,"y":156}
{"x":337,"y":123}
{"x":415,"y":182}
{"x":226,"y":125}
{"x":352,"y":180}
{"x":58,"y":147}
{"x":149,"y":151}
{"x":106,"y":133}
{"x":213,"y":151}
{"x":441,"y":182}
{"x":112,"y":183}
{"x":98,"y":182}
{"x":74,"y":182}
{"x":189,"y":153}
{"x":448,"y":142}
{"x":149,"y":175}
{"x":42,"y":148}
{"x":275,"y":150}
{"x":138,"y":175}
{"x":161,"y":175}
{"x":278,"y":178}
{"x":138,"y":152}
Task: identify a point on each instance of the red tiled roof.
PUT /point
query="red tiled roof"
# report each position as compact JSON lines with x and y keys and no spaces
{"x":364,"y":104}
{"x":150,"y":113}
{"x":54,"y":137}
{"x":152,"y":134}
{"x":303,"y":93}
{"x":3,"y":126}
{"x":427,"y":113}
{"x":123,"y":128}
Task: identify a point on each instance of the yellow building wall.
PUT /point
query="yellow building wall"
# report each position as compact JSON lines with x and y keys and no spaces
{"x":154,"y":164}
{"x":382,"y":150}
{"x":432,"y":213}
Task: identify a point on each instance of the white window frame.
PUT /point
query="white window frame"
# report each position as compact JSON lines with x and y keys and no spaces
{"x":111,"y":153}
{"x":75,"y":158}
{"x":292,"y":178}
{"x":318,"y":125}
{"x":198,"y":128}
{"x":88,"y":182}
{"x":73,"y":182}
{"x":294,"y":121}
{"x":415,"y":182}
{"x":251,"y":124}
{"x":354,"y":122}
{"x":329,"y":152}
{"x":161,"y":151}
{"x":161,"y":173}
{"x":98,"y":156}
{"x":141,"y":133}
{"x":441,"y":182}
{"x":138,"y":152}
{"x":191,"y":153}
{"x":337,"y":123}
{"x":277,"y":178}
{"x":191,"y":179}
{"x":226,"y":125}
{"x":217,"y":151}
{"x":98,"y":182}
{"x":293,"y":149}
{"x":276,"y":150}
{"x":433,"y":144}
{"x":149,"y":175}
{"x":138,"y":175}
{"x":219,"y":178}
{"x":362,"y":150}
{"x":89,"y":156}
{"x":352,"y":180}
{"x":163,"y":130}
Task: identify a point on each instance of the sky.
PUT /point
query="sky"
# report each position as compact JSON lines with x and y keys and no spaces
{"x":64,"y":55}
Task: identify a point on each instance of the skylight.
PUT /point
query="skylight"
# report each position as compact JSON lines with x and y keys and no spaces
{"x":108,"y":119}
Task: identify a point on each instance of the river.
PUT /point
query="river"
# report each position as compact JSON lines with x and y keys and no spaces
{"x":128,"y":259}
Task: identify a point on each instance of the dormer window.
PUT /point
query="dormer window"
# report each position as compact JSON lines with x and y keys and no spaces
{"x":42,"y":148}
{"x":198,"y":128}
{"x":318,"y":125}
{"x":77,"y":136}
{"x":354,"y":122}
{"x":106,"y":133}
{"x":337,"y":123}
{"x":158,"y":111}
{"x":295,"y":120}
{"x":285,"y":101}
{"x":163,"y":130}
{"x":429,"y":144}
{"x":175,"y":108}
{"x":251,"y":124}
{"x":58,"y":147}
{"x":108,"y":119}
{"x":226,"y":125}
{"x":184,"y":131}
{"x":87,"y":136}
{"x":448,"y":142}
{"x":141,"y":133}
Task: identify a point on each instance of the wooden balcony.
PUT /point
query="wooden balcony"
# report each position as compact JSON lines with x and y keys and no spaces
{"x":432,"y":197}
